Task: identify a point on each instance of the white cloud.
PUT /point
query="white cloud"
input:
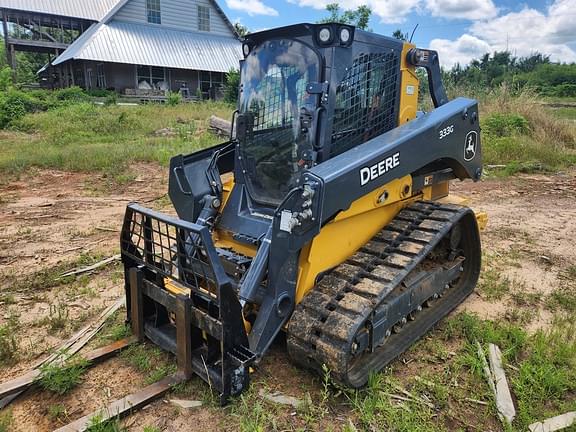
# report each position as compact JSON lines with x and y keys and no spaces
{"x":522,"y":33}
{"x":461,"y":50}
{"x":389,"y":11}
{"x":464,"y":9}
{"x":251,"y":7}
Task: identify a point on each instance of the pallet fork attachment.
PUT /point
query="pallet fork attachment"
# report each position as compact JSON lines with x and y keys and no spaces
{"x":180,"y":298}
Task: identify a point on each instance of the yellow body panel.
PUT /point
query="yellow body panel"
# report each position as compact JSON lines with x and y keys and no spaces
{"x":351,"y":229}
{"x":408,"y":88}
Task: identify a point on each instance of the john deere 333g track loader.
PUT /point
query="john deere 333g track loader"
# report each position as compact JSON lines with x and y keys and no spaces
{"x":326,"y":215}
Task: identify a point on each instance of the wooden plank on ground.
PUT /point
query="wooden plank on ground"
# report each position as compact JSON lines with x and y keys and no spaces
{"x":91,"y":267}
{"x":22,"y":382}
{"x":220,"y":125}
{"x":554,"y":423}
{"x":10,"y":390}
{"x":124,"y":406}
{"x":504,"y":402}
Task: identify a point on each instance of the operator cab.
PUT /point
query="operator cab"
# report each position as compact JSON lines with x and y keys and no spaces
{"x":308,"y":93}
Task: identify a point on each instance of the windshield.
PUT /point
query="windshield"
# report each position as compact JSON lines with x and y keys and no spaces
{"x":274,"y":80}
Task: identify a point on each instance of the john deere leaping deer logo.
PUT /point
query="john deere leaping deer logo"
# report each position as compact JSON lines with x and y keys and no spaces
{"x":470,"y":145}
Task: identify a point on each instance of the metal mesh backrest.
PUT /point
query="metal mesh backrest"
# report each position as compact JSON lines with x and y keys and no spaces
{"x":172,"y":250}
{"x":366,"y":101}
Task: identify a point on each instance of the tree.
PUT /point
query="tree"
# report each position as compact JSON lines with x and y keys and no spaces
{"x":242,"y":30}
{"x":231,"y":86}
{"x":399,"y":35}
{"x":359,"y":17}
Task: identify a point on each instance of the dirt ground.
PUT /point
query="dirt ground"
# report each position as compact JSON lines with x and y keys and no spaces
{"x":48,"y":218}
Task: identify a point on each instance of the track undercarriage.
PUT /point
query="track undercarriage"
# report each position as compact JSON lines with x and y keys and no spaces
{"x":371,"y":308}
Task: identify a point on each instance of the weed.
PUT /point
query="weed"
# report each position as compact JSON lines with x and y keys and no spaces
{"x":493,"y":285}
{"x":569,"y":273}
{"x":160,"y":372}
{"x":562,"y":298}
{"x":120,"y":331}
{"x":98,"y":424}
{"x":521,"y":297}
{"x":8,"y":341}
{"x":252,"y":413}
{"x":376,"y":410}
{"x":57,"y":412}
{"x":7,"y":299}
{"x":58,"y":318}
{"x":60,"y":379}
{"x":149,"y":360}
{"x":5,"y":420}
{"x":151,"y":429}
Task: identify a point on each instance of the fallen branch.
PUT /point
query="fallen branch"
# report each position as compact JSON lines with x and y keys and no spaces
{"x":91,"y":267}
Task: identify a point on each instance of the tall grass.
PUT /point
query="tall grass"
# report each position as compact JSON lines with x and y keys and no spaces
{"x":85,"y":137}
{"x":518,"y":131}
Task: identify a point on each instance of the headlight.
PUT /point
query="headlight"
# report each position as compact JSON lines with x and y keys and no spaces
{"x":246,"y":49}
{"x":344,"y":35}
{"x":325,"y":35}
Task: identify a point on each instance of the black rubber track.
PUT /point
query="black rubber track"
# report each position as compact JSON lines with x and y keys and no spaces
{"x":325,"y":324}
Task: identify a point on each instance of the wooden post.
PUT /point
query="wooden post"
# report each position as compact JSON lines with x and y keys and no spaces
{"x":9,"y":48}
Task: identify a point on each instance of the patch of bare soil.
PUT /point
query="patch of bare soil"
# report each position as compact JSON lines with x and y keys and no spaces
{"x":530,"y":237}
{"x":50,"y":217}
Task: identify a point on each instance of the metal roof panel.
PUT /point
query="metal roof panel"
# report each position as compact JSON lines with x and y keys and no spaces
{"x":86,"y":9}
{"x":121,"y":42}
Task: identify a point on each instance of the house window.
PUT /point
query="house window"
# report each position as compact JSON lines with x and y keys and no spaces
{"x":153,"y":11}
{"x":210,"y":84}
{"x":150,"y":76}
{"x":203,"y":18}
{"x":100,"y":77}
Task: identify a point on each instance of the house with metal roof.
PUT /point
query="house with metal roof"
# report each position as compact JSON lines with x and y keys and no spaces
{"x":131,"y":46}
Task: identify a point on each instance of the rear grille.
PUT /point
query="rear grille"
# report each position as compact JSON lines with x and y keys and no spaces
{"x":366,"y":100}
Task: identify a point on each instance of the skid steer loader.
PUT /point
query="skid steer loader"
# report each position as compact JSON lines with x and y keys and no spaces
{"x":326,"y":215}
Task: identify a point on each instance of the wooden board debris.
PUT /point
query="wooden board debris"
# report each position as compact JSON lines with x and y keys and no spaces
{"x":125,"y":405}
{"x":220,"y":125}
{"x":554,"y":423}
{"x":91,"y":267}
{"x":10,"y":390}
{"x":504,"y":402}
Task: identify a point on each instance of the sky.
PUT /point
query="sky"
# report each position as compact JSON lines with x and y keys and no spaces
{"x":459,"y":30}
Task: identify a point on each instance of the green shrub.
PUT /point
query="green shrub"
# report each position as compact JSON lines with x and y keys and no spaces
{"x":505,"y":125}
{"x":71,"y":94}
{"x":111,"y":99}
{"x":232,"y":85}
{"x":15,"y":104}
{"x":173,"y":98}
{"x":5,"y":78}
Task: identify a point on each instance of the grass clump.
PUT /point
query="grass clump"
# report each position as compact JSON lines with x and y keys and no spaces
{"x":377,"y":411}
{"x":6,"y":421}
{"x":60,"y":379}
{"x":149,"y":360}
{"x":98,"y":424}
{"x":8,"y":341}
{"x":493,"y":285}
